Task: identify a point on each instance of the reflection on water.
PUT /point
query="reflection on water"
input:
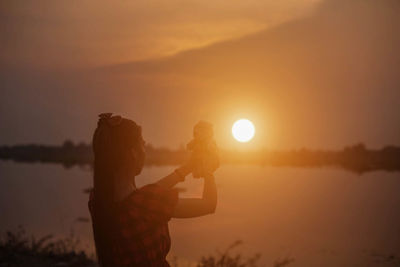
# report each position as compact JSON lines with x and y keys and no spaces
{"x":320,"y":217}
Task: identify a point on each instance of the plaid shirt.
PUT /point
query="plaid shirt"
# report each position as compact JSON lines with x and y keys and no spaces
{"x":142,"y":236}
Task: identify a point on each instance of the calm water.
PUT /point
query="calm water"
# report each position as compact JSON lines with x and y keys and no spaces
{"x":319,"y":217}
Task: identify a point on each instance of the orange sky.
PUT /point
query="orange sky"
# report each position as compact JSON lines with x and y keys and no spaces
{"x":309,"y":74}
{"x":103,"y":32}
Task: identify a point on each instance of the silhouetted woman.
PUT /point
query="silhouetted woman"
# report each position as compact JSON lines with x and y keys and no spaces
{"x":130,"y":224}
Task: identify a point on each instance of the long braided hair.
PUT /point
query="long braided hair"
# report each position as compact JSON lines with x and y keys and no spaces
{"x":113,"y":140}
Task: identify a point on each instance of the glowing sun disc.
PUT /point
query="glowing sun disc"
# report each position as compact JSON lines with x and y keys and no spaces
{"x":243,"y":130}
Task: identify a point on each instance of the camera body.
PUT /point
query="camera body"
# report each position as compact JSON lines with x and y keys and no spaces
{"x":204,"y":149}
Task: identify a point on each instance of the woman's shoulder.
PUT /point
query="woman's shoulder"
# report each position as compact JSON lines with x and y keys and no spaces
{"x":153,"y":194}
{"x":152,"y":200}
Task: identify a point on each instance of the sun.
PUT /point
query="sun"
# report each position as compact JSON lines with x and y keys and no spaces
{"x":243,"y":130}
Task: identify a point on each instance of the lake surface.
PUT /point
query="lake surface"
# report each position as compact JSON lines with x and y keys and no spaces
{"x":319,"y":217}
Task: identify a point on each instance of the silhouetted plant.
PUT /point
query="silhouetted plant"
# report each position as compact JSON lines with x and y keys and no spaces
{"x":226,"y":259}
{"x":17,"y":249}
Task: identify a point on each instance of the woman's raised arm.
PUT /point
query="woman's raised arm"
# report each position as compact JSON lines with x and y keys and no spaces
{"x":195,"y":207}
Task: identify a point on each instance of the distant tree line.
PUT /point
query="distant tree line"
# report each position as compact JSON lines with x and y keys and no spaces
{"x":356,"y":158}
{"x":70,"y":154}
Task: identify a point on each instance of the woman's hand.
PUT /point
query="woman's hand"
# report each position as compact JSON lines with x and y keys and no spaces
{"x":208,"y":163}
{"x":177,"y":176}
{"x":211,"y":163}
{"x":187,"y":167}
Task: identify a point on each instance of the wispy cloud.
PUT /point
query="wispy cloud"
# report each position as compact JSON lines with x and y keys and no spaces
{"x":69,"y":33}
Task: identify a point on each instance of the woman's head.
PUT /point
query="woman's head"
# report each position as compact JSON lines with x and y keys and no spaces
{"x":119,"y":153}
{"x":118,"y":144}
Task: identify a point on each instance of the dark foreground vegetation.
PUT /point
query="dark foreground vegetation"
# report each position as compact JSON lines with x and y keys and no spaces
{"x":356,"y":158}
{"x":19,"y":250}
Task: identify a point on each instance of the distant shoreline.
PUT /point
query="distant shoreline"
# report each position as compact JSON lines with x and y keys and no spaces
{"x":356,"y":158}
